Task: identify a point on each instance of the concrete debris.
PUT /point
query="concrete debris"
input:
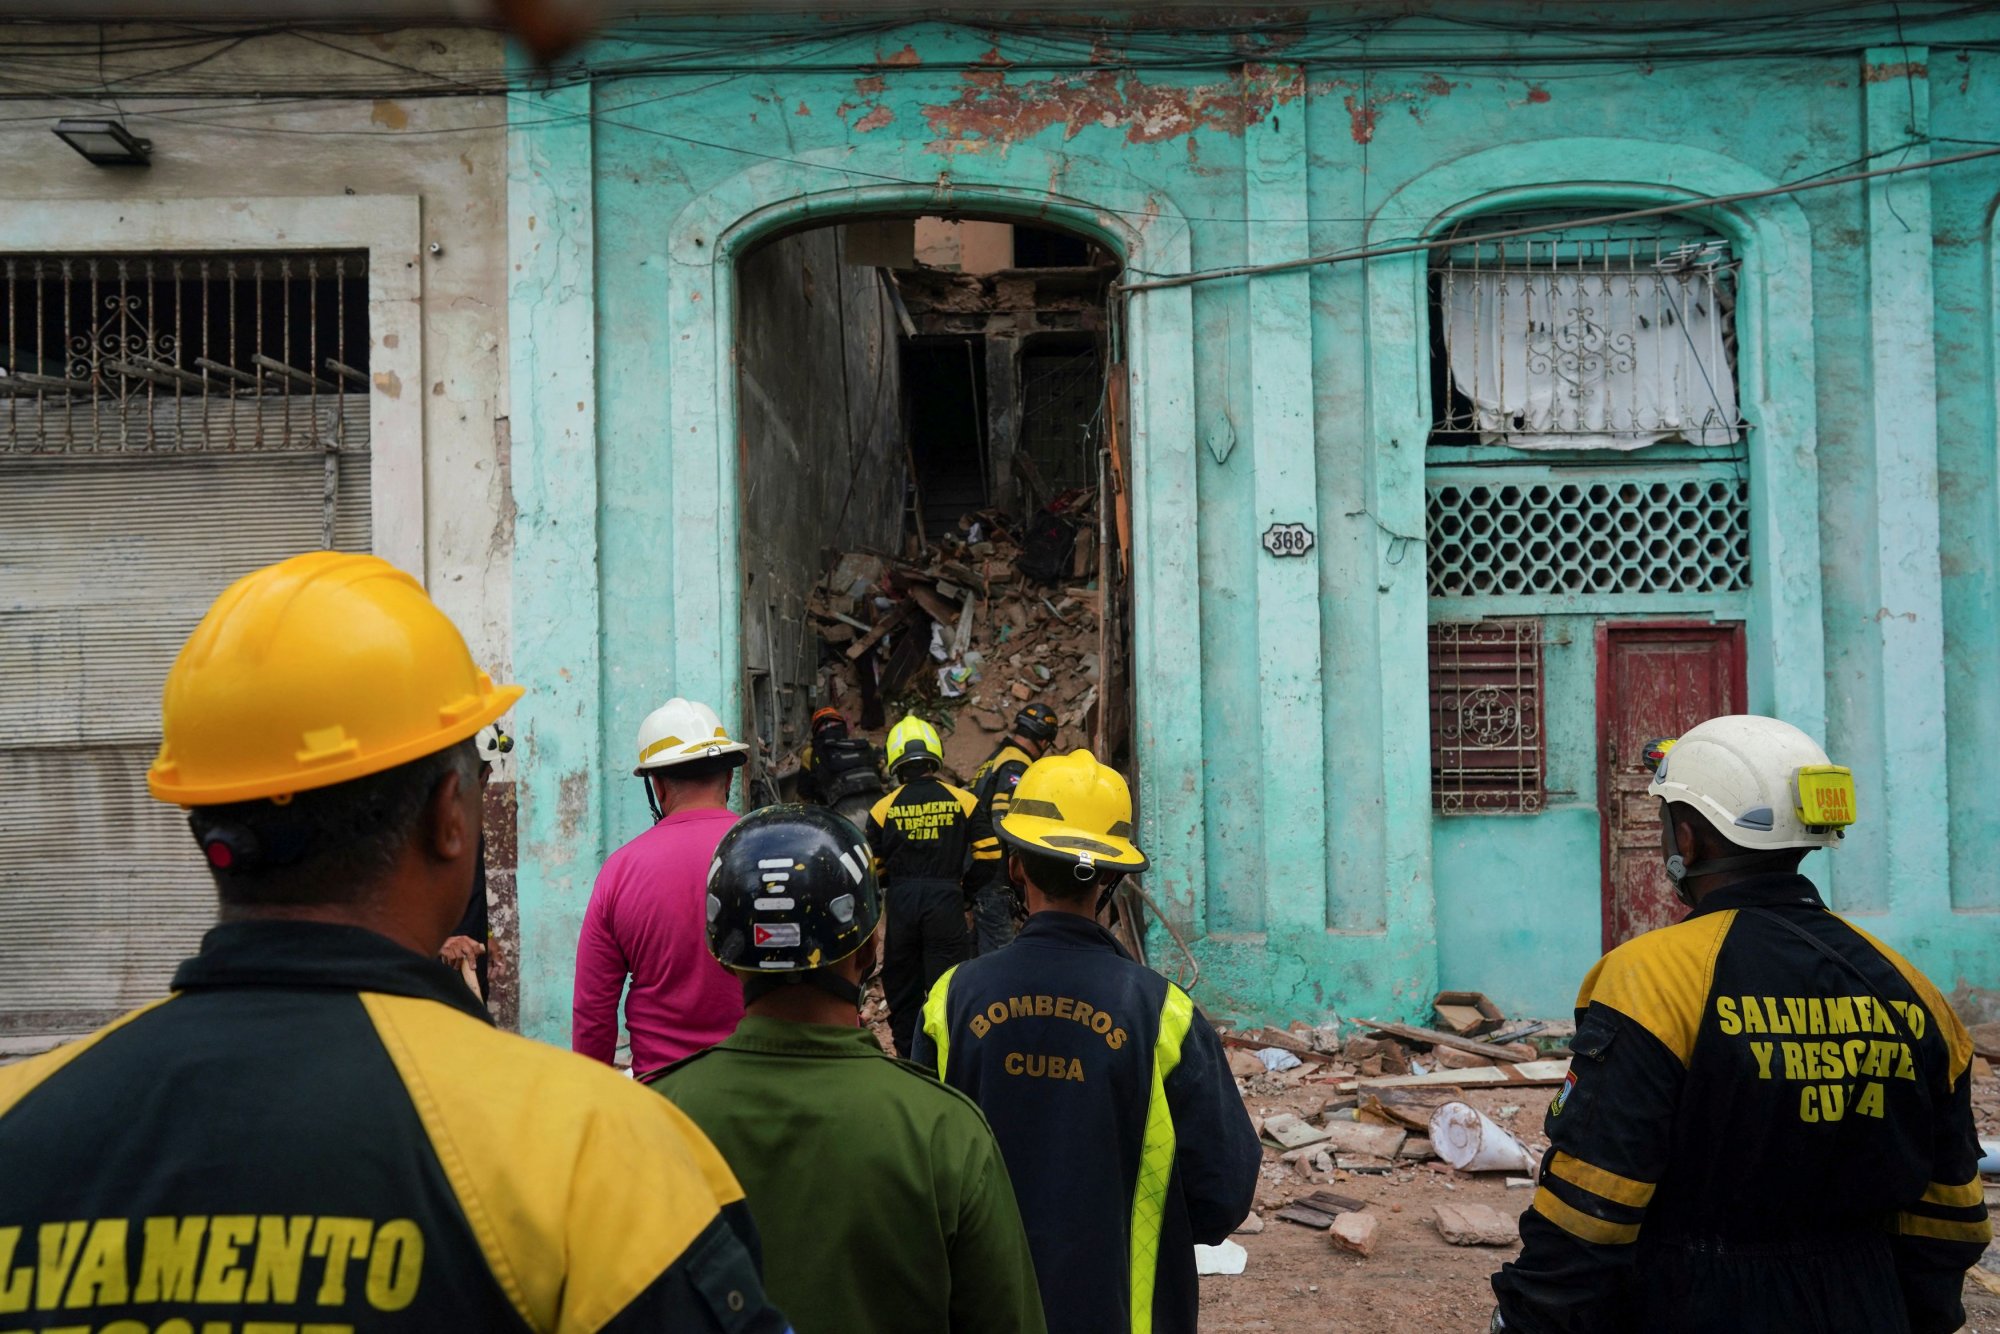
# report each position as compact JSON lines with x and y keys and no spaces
{"x":957,"y":631}
{"x":1450,"y":1058}
{"x":1355,"y":1232}
{"x":1361,"y":1138}
{"x":1227,"y":1258}
{"x":1291,"y":1132}
{"x":1251,"y":1225}
{"x":1477,"y":1225}
{"x":1244,"y":1064}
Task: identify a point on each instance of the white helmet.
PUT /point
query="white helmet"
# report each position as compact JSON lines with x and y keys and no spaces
{"x":679,"y":731}
{"x":1762,"y":783}
{"x":492,"y":743}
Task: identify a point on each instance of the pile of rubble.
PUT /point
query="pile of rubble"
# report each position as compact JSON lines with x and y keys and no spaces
{"x":968,"y":630}
{"x":1366,"y":1101}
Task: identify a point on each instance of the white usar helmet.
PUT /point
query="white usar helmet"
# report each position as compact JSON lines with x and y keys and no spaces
{"x":681,"y":731}
{"x":1762,"y":783}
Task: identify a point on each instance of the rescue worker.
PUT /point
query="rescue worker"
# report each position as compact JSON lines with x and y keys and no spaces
{"x":921,"y":834}
{"x":994,"y":901}
{"x":1123,"y":1129}
{"x":319,"y":1128}
{"x":1767,"y":1127}
{"x":467,"y":947}
{"x":645,"y":917}
{"x":906,"y":1223}
{"x":839,"y":770}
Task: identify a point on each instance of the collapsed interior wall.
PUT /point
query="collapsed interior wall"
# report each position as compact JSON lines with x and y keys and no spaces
{"x":822,"y":457}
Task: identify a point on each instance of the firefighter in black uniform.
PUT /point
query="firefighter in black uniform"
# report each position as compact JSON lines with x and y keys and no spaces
{"x":993,"y":898}
{"x":921,"y":834}
{"x":1767,"y":1127}
{"x":319,"y":1128}
{"x":1123,"y":1130}
{"x":839,"y":770}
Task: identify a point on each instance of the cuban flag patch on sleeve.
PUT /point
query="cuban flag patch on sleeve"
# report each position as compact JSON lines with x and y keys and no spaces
{"x":1562,"y":1094}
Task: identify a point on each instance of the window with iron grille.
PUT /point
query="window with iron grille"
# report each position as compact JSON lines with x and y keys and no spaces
{"x":1610,"y":337}
{"x":116,"y":353}
{"x":1487,"y":747}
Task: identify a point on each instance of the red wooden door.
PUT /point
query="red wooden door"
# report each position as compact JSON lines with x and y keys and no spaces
{"x":1654,"y":679}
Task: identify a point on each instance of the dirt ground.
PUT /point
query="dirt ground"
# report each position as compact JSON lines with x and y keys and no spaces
{"x":1414,"y":1282}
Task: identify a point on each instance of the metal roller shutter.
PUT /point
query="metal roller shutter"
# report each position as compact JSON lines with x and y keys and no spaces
{"x":107,"y":561}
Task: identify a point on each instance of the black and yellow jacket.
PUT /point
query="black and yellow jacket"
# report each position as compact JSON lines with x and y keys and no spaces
{"x":320,"y":1131}
{"x":1122,"y":1128}
{"x":993,"y":788}
{"x":1767,"y":1129}
{"x":922,"y":831}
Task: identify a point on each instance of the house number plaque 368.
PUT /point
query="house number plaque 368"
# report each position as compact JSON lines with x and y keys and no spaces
{"x":1288,"y":539}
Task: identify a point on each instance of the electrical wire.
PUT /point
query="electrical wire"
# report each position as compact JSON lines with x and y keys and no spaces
{"x":1626,"y":215}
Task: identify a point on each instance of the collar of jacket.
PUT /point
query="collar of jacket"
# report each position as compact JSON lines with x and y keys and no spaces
{"x":1067,"y":930}
{"x":1782,"y":890}
{"x":319,"y":956}
{"x":782,"y":1037}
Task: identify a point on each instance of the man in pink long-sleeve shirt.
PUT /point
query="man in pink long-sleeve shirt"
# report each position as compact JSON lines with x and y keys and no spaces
{"x":647,"y":917}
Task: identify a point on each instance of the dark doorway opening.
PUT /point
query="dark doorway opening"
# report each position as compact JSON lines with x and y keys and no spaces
{"x":915,"y":398}
{"x":944,"y":385}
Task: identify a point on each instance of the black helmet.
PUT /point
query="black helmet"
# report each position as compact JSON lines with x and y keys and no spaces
{"x":792,"y":889}
{"x":1037,"y":722}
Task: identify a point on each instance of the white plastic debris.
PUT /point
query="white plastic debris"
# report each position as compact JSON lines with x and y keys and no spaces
{"x":1277,"y":1058}
{"x":1228,"y":1258}
{"x":1468,"y":1141}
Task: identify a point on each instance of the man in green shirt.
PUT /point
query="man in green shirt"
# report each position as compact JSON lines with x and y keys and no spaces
{"x":880,"y":1194}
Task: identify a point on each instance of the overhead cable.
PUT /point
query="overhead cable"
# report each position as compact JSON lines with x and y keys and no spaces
{"x":1597,"y":220}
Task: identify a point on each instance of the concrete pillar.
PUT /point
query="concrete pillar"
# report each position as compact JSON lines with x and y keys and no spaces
{"x":550,"y":231}
{"x":1285,"y":489}
{"x":1909,"y":621}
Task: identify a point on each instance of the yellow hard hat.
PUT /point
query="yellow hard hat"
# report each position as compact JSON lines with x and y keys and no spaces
{"x":1072,"y":806}
{"x":914,"y":739}
{"x":310,"y":672}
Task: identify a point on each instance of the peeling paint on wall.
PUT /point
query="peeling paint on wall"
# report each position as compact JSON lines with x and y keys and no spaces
{"x":990,"y":110}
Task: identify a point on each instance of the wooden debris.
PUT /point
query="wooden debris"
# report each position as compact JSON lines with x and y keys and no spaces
{"x":897,"y":615}
{"x":1431,"y":1037}
{"x":1319,"y":1209}
{"x":1531,"y":1074}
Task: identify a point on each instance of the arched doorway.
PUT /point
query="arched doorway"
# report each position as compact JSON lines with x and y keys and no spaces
{"x":932,"y":484}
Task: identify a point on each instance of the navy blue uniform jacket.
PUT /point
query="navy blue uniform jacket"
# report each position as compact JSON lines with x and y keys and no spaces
{"x":1123,"y":1131}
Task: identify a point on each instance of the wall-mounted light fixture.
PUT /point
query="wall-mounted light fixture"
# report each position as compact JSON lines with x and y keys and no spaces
{"x":107,"y":143}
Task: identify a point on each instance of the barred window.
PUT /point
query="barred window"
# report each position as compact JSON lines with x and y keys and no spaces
{"x":1611,"y":337}
{"x":115,"y":353}
{"x":1487,"y":747}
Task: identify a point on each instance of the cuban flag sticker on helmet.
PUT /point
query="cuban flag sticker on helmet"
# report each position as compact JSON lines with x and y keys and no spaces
{"x":776,"y":936}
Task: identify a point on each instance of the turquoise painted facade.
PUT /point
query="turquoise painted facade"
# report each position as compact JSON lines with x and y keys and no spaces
{"x":1282,"y":712}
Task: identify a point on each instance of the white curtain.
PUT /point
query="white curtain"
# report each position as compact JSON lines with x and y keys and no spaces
{"x":1568,"y":359}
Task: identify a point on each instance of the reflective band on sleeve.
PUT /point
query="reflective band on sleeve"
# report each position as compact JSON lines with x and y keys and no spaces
{"x":1617,"y":1189}
{"x":934,"y":1022}
{"x":1156,"y":1159}
{"x":1580,"y":1224}
{"x":1956,"y":1197}
{"x":1916,"y":1225}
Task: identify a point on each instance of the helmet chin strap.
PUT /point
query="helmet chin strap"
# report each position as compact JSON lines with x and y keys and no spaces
{"x":824,"y":979}
{"x":1680,"y":870}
